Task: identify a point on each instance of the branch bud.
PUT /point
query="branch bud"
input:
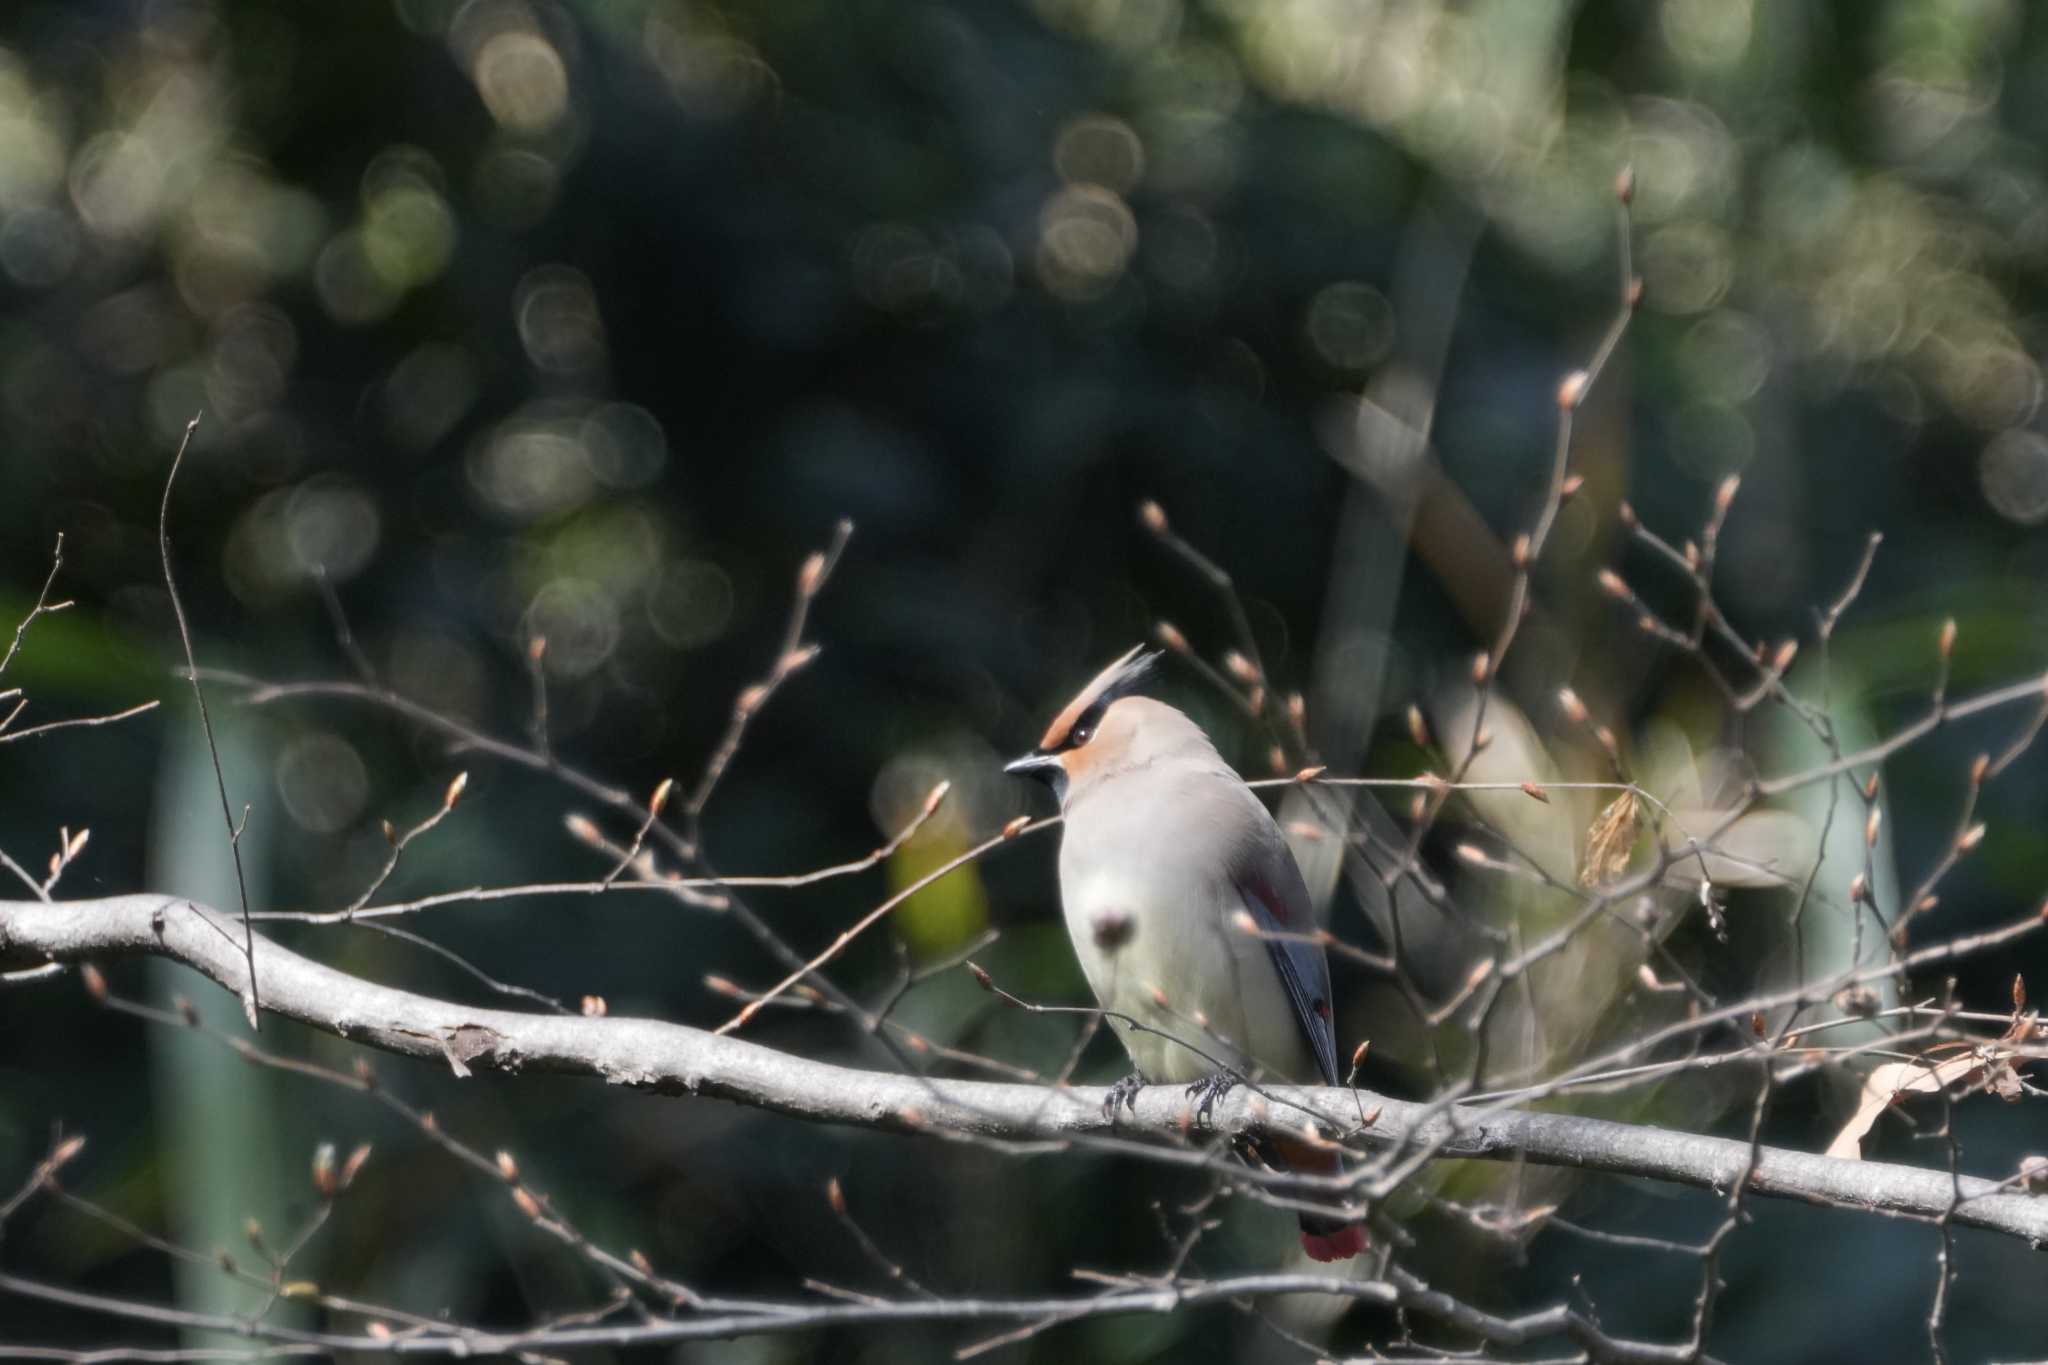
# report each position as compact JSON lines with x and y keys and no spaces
{"x":1170,"y":637}
{"x":1571,"y":390}
{"x":661,"y":796}
{"x":1152,"y":517}
{"x":1725,"y":494}
{"x":66,"y":1151}
{"x":1574,"y":709}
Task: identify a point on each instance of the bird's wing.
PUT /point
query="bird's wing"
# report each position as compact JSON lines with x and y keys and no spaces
{"x":1278,"y":901}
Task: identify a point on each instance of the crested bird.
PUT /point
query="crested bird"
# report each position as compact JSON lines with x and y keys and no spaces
{"x":1164,"y":855}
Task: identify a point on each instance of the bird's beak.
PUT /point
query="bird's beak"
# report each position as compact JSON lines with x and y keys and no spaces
{"x":1044,"y":767}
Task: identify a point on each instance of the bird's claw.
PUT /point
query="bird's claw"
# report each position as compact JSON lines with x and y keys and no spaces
{"x":1123,"y":1095}
{"x":1208,"y":1090}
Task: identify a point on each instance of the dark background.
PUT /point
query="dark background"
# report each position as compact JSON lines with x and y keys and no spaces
{"x":591,"y":320}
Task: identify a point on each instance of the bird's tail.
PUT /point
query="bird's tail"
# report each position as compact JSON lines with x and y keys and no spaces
{"x":1323,"y":1237}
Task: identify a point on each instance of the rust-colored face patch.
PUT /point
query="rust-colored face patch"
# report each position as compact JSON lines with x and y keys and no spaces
{"x":1075,"y":723}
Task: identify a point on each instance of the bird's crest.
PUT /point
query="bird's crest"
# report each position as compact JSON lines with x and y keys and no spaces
{"x":1119,"y":679}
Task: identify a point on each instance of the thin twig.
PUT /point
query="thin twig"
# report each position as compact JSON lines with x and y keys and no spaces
{"x":250,"y":1002}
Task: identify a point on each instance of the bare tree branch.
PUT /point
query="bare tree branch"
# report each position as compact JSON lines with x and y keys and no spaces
{"x":251,"y":1007}
{"x":674,"y":1059}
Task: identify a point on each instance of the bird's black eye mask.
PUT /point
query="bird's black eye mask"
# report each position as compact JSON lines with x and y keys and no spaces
{"x":1076,"y":725}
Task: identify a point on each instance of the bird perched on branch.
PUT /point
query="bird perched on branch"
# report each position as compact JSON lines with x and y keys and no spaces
{"x":1188,"y":913}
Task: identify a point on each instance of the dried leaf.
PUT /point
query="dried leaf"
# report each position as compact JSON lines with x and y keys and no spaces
{"x":1610,"y":841}
{"x":1882,"y":1087}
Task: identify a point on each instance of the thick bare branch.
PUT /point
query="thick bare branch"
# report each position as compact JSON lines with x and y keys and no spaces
{"x":674,"y":1059}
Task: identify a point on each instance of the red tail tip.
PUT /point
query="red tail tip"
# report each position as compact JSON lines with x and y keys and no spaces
{"x":1340,"y":1245}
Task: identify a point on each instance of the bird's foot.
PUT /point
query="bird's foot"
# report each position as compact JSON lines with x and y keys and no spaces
{"x":1208,"y":1090}
{"x":1123,"y":1095}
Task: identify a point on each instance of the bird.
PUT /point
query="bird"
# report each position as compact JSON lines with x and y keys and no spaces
{"x":1166,"y":860}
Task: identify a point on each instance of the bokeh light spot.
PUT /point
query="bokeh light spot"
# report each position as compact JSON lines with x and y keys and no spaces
{"x":1687,"y":267}
{"x":428,"y":392}
{"x":1099,"y":149}
{"x":692,"y":603}
{"x":1725,"y":356}
{"x":1086,"y":237}
{"x":558,"y":320}
{"x":1350,"y":325}
{"x":523,"y":81}
{"x":331,"y":525}
{"x":532,"y":467}
{"x":322,"y":781}
{"x":625,"y":445}
{"x":351,"y":287}
{"x":2013,"y":473}
{"x":579,"y":621}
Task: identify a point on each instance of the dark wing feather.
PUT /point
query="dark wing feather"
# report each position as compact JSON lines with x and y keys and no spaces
{"x":1279,"y":904}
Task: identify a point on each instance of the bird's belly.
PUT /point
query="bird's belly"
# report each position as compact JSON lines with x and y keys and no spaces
{"x":1203,"y":993}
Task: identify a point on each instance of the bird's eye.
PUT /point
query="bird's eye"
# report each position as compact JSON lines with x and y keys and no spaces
{"x":1081,"y":734}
